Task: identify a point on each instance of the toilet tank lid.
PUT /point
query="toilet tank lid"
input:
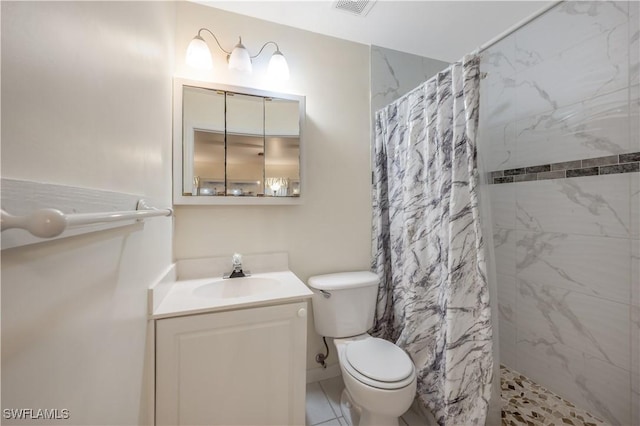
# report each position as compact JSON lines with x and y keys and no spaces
{"x":343,"y":280}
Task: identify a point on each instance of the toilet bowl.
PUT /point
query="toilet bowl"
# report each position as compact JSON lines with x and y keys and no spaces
{"x":379,"y":377}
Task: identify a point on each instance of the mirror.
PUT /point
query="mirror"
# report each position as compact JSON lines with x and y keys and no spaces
{"x":245,"y":145}
{"x":236,"y":146}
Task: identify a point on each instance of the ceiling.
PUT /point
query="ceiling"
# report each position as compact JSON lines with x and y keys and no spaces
{"x":444,"y":30}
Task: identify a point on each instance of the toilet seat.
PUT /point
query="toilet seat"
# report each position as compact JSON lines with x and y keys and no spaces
{"x":390,"y":368}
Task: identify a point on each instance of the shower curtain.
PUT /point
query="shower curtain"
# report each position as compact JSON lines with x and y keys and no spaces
{"x":428,"y":251}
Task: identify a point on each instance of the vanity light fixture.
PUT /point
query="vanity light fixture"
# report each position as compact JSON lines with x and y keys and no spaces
{"x":239,"y":59}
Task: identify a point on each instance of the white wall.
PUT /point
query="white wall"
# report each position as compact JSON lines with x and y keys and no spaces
{"x":331,"y":230}
{"x":86,"y":101}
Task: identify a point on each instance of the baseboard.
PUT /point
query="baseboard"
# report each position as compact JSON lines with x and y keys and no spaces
{"x":317,"y":374}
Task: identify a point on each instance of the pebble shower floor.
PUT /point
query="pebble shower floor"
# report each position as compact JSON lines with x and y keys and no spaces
{"x":527,"y":403}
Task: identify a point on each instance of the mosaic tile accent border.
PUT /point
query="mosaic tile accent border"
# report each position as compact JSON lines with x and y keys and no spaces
{"x":612,"y":164}
{"x":527,"y":403}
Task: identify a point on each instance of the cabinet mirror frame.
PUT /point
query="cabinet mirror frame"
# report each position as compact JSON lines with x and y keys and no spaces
{"x":179,"y":148}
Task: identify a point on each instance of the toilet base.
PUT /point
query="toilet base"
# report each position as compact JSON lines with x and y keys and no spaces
{"x":354,"y":416}
{"x":350,"y":410}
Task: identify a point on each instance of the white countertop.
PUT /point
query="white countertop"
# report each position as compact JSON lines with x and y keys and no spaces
{"x":178,"y":298}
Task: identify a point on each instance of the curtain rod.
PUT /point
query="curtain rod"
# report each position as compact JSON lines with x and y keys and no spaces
{"x":517,"y":26}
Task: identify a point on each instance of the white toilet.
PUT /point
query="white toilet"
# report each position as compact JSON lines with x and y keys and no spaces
{"x":379,"y":377}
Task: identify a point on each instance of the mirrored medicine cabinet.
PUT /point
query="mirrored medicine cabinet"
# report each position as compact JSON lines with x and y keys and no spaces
{"x":235,"y":145}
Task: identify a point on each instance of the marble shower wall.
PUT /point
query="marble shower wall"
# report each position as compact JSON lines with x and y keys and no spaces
{"x":565,"y":87}
{"x":395,"y":73}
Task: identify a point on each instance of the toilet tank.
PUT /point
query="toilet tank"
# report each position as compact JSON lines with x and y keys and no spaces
{"x":344,"y":303}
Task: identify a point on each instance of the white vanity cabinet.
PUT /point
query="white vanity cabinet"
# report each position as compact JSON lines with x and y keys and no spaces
{"x":239,"y":367}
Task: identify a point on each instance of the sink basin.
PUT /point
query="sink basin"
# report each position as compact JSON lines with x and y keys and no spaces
{"x":237,"y":287}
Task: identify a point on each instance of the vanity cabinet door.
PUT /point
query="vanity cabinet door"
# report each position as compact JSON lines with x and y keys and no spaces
{"x":243,"y":367}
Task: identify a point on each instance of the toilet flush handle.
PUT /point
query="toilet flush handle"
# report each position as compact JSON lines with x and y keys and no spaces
{"x":325,"y":293}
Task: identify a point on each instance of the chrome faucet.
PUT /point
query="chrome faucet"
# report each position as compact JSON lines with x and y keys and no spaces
{"x":237,"y":268}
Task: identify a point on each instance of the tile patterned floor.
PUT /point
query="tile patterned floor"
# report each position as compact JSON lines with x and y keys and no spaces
{"x":323,"y":403}
{"x":524,"y":403}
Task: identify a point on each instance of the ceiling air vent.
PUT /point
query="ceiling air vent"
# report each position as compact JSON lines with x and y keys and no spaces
{"x":355,"y":7}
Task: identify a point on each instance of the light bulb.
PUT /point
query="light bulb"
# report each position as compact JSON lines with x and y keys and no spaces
{"x":240,"y":60}
{"x":278,"y":67}
{"x":198,"y":54}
